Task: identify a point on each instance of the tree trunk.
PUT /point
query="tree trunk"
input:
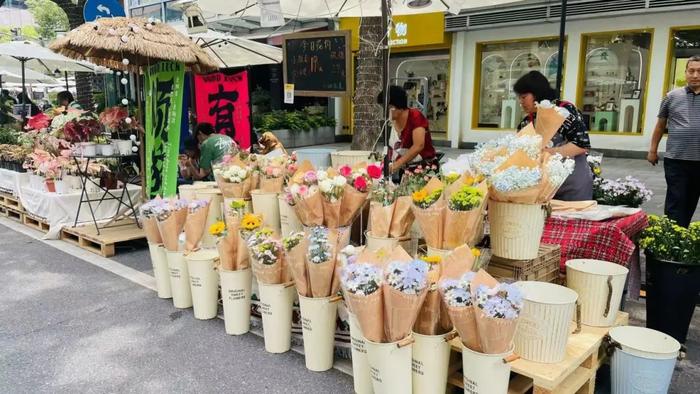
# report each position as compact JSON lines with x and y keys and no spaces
{"x":83,"y":81}
{"x":368,"y":115}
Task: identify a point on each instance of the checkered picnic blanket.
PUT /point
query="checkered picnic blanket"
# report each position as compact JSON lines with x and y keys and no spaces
{"x":609,"y":240}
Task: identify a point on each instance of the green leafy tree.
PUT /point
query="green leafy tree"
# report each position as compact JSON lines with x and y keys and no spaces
{"x":49,"y":18}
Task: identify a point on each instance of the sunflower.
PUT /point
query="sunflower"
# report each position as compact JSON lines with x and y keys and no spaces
{"x":251,"y":222}
{"x":420,"y":195}
{"x":217,"y":228}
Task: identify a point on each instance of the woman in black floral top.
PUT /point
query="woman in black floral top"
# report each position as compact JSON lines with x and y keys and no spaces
{"x":570,"y":141}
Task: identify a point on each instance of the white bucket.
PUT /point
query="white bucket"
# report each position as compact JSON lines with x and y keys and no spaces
{"x":124,"y":147}
{"x":485,"y":373}
{"x":349,"y":157}
{"x":179,"y":280}
{"x":318,"y":319}
{"x":276,"y":309}
{"x":61,"y":186}
{"x":160,"y":270}
{"x":319,"y":157}
{"x":360,"y":365}
{"x":216,"y":200}
{"x":545,"y":320}
{"x":443,"y":253}
{"x":373,"y":243}
{"x":106,"y":149}
{"x":644,"y":362}
{"x":188,"y":192}
{"x":72,"y":182}
{"x":204,"y":282}
{"x":431,"y":361}
{"x":599,"y":285}
{"x":390,"y":366}
{"x":516,"y":229}
{"x":289,"y":221}
{"x":235,"y":292}
{"x":88,"y":149}
{"x":267,"y":205}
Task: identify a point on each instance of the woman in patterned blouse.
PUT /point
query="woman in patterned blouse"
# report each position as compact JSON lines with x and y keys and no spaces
{"x":570,"y":141}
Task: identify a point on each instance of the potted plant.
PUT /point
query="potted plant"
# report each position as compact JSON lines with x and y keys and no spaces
{"x":297,"y":128}
{"x":672,"y":274}
{"x":104,"y":145}
{"x":108,"y":177}
{"x":82,"y":131}
{"x":121,"y":127}
{"x":629,"y":192}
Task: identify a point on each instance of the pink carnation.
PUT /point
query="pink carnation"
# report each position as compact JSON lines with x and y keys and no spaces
{"x":360,"y":184}
{"x":374,"y":171}
{"x":345,"y":171}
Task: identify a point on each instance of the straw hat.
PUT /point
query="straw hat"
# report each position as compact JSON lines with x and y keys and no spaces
{"x":108,"y":41}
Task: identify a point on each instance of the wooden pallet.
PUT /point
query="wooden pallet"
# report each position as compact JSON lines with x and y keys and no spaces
{"x":10,"y":201}
{"x":36,"y":223}
{"x":14,"y":214}
{"x":103,"y":244}
{"x":576,"y":374}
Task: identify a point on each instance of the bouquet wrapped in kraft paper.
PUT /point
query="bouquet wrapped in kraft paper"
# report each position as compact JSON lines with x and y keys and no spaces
{"x":428,"y":208}
{"x":148,"y":213}
{"x":321,"y":258}
{"x":304,"y":192}
{"x":497,"y":307}
{"x":466,"y":204}
{"x":229,"y":241}
{"x":433,"y":318}
{"x":267,"y":256}
{"x":247,"y":227}
{"x":332,"y":187}
{"x":234,"y":178}
{"x":356,"y":191}
{"x":197,"y":211}
{"x":390,"y":214}
{"x":296,"y":246}
{"x":171,"y":221}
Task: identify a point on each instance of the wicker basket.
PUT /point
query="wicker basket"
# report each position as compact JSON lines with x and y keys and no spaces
{"x":349,"y":157}
{"x":543,"y":268}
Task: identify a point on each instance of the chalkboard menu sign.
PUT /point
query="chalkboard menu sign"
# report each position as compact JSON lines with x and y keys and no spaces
{"x":318,"y":63}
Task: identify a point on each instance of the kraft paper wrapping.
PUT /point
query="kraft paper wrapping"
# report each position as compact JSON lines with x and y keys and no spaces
{"x":528,"y":130}
{"x":369,"y":311}
{"x":194,"y":227}
{"x":297,"y":264}
{"x":235,"y":190}
{"x":351,"y":204}
{"x":464,"y":320}
{"x":400,"y":312}
{"x":547,"y":123}
{"x":331,"y":213}
{"x":150,"y":227}
{"x":170,"y":229}
{"x":430,"y":222}
{"x":459,"y":227}
{"x":269,"y":274}
{"x":433,"y":318}
{"x":271,"y":185}
{"x":227,"y":252}
{"x":457,"y":263}
{"x":380,"y":218}
{"x":321,"y":277}
{"x":495,"y":335}
{"x":286,"y":270}
{"x":403,"y":217}
{"x":312,"y":207}
{"x":242,"y":254}
{"x":335,"y":283}
{"x":254,"y":182}
{"x":483,"y":278}
{"x":302,"y":169}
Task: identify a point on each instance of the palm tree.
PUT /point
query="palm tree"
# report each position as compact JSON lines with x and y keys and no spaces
{"x":368,"y":115}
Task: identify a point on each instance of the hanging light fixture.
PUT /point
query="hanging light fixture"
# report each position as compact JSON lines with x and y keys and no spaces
{"x":418,"y":3}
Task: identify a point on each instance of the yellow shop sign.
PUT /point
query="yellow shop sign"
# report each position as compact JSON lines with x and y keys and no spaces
{"x":409,"y":30}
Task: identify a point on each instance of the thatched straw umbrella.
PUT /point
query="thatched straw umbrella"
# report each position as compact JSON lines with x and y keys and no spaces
{"x":107,"y":41}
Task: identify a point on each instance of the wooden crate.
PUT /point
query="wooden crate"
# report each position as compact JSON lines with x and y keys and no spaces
{"x":36,"y":223}
{"x":10,"y":201}
{"x":543,"y":268}
{"x":576,"y":374}
{"x":104,"y":243}
{"x":14,"y":214}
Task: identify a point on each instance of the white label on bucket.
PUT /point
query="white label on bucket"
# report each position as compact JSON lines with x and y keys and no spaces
{"x":529,"y":328}
{"x":375,"y":374}
{"x":175,"y":273}
{"x":470,"y":386}
{"x":195,"y":281}
{"x":358,"y":344}
{"x":265,"y":309}
{"x":417,"y":366}
{"x":236,"y":294}
{"x":511,"y":229}
{"x":306,"y":324}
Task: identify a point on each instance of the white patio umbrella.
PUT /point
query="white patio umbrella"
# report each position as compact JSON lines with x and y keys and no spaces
{"x":13,"y":74}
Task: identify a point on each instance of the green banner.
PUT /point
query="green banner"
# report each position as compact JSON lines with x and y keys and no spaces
{"x":164,"y":91}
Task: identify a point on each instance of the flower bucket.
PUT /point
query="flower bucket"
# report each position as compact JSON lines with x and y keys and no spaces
{"x":545,"y":320}
{"x":319,"y":157}
{"x":289,"y":221}
{"x":159,"y":260}
{"x":349,"y":157}
{"x":276,"y":310}
{"x":106,"y":149}
{"x":318,"y":318}
{"x":235,"y":291}
{"x":267,"y":205}
{"x":124,"y":147}
{"x":72,"y":182}
{"x":431,"y":361}
{"x":375,"y":243}
{"x":179,"y":280}
{"x":599,"y":285}
{"x":88,"y":149}
{"x":410,"y":245}
{"x":360,"y":366}
{"x":443,"y":253}
{"x":516,"y":229}
{"x":188,"y":192}
{"x":204,"y":282}
{"x":50,"y":186}
{"x":485,"y":373}
{"x":390,"y":365}
{"x":60,"y":186}
{"x":216,"y":199}
{"x":643,"y":361}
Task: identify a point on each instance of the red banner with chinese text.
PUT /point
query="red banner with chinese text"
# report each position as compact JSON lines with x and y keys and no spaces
{"x":223,"y":101}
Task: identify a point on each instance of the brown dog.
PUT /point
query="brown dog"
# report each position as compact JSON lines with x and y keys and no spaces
{"x":269,"y":142}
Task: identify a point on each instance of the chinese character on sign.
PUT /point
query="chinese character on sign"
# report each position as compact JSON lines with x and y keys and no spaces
{"x":161,"y":110}
{"x":221,"y":106}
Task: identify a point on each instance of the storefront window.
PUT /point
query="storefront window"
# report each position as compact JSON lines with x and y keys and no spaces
{"x":151,"y":11}
{"x":685,"y":43}
{"x":613,"y":88}
{"x":172,"y":15}
{"x":501,"y":64}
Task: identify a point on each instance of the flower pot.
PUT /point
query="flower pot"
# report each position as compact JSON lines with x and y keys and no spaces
{"x":88,"y":149}
{"x":485,"y":373}
{"x":390,"y":366}
{"x":360,"y":365}
{"x":373,"y":243}
{"x":160,"y":270}
{"x":431,"y":359}
{"x":545,"y":320}
{"x":235,"y":291}
{"x":643,"y":360}
{"x":672,"y":288}
{"x":124,"y":147}
{"x":204,"y":283}
{"x":516,"y":229}
{"x":215,"y":199}
{"x":289,"y":221}
{"x":276,"y":308}
{"x":318,"y":316}
{"x":50,"y":186}
{"x":179,"y":280}
{"x":599,"y":285}
{"x":267,"y":205}
{"x":106,"y":149}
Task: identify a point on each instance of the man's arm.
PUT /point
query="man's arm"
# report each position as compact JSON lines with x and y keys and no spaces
{"x":653,"y":155}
